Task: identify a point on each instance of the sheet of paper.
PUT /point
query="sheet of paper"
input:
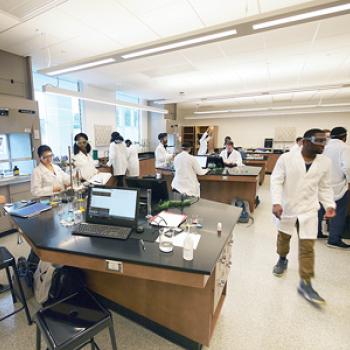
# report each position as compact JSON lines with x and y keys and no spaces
{"x":168,"y":219}
{"x":179,"y":239}
{"x":100,"y":178}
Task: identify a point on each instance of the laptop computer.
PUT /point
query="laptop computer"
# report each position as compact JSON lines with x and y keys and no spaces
{"x":110,"y":213}
{"x":202,"y":160}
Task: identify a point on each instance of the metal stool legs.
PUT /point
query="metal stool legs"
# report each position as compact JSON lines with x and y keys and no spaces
{"x":112,"y":335}
{"x":21,"y":296}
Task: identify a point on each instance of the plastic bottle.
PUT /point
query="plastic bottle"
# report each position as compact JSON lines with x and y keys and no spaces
{"x":15,"y":170}
{"x":188,"y":247}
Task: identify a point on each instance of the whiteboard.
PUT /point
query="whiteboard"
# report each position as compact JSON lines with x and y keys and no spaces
{"x":285,"y":134}
{"x":102,"y":135}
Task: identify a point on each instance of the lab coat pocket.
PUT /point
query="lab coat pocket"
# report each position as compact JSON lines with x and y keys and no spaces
{"x":308,"y":225}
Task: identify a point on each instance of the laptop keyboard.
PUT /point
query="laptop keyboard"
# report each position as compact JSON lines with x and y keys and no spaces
{"x":105,"y":231}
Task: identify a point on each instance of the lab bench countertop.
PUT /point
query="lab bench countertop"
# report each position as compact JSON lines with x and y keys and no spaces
{"x":236,"y":171}
{"x":45,"y":232}
{"x":13,"y":180}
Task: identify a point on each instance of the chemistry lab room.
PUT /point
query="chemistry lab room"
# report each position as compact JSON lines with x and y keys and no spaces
{"x":174,"y":174}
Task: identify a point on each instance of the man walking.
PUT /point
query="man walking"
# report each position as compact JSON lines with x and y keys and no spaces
{"x":299,"y":182}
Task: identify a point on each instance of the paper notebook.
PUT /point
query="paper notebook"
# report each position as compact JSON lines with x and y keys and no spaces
{"x":167,"y":219}
{"x":29,"y":210}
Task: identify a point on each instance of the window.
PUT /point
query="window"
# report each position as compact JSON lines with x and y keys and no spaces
{"x":127,"y":120}
{"x":60,"y":116}
{"x":16,"y":150}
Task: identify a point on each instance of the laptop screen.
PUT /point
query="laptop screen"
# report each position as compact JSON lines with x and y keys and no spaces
{"x":112,"y":206}
{"x":202,"y":160}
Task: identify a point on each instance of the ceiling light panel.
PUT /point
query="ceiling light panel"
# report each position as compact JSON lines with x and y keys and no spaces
{"x":181,"y":44}
{"x":310,"y":15}
{"x":81,"y":66}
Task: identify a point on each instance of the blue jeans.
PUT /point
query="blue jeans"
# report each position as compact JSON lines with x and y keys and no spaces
{"x":337,"y":224}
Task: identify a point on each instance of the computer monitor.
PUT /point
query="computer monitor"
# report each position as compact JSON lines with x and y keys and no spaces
{"x":202,"y":160}
{"x":215,"y":161}
{"x":112,"y":206}
{"x":159,"y":187}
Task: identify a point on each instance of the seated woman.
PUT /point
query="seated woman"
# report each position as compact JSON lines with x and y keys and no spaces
{"x":48,"y":178}
{"x":82,"y":158}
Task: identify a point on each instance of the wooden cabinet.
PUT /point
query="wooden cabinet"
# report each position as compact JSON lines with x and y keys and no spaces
{"x":222,"y":270}
{"x":192,"y":134}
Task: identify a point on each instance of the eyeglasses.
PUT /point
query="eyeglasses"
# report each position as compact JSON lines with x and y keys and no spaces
{"x":48,"y":156}
{"x":319,"y":141}
{"x":82,"y":143}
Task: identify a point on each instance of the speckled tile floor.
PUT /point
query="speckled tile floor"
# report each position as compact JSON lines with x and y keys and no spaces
{"x":261,"y":312}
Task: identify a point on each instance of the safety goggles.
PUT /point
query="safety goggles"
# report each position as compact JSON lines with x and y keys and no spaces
{"x":339,"y":135}
{"x":316,"y":140}
{"x":48,"y":156}
{"x":81,"y":143}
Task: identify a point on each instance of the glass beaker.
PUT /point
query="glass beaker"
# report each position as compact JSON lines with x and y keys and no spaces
{"x":166,"y":237}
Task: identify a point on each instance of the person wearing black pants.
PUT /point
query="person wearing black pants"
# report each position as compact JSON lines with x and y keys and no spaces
{"x":118,"y":158}
{"x":339,"y":153}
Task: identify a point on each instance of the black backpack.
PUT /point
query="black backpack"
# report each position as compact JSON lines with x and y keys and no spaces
{"x":66,"y":281}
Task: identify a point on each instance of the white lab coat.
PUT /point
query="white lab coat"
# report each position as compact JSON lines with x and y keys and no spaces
{"x":162,"y":156}
{"x":203,"y":145}
{"x":299,"y":192}
{"x":43,"y":180}
{"x":118,"y":158}
{"x":133,"y":161}
{"x":85,"y":164}
{"x":186,"y":170}
{"x":235,"y":157}
{"x":339,"y":153}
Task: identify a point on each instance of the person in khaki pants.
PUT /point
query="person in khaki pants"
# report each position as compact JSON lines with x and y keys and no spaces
{"x":299,"y":182}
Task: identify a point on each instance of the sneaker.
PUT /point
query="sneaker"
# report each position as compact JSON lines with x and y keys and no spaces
{"x":306,"y":290}
{"x":280,"y":267}
{"x":321,"y":236}
{"x":340,"y":245}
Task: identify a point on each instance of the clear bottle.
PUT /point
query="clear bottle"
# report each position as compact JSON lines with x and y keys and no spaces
{"x":187,"y":252}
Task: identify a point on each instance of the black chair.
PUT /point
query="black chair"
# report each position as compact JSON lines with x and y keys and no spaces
{"x":7,"y":261}
{"x":73,"y":322}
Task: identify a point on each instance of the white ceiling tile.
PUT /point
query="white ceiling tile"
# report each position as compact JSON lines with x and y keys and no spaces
{"x":112,"y":20}
{"x":173,"y":19}
{"x":291,"y":35}
{"x":220,"y":11}
{"x":141,"y":7}
{"x":334,"y":26}
{"x":7,"y":21}
{"x":271,"y":5}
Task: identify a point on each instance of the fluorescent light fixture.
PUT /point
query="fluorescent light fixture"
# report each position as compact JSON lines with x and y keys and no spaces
{"x":81,"y":66}
{"x":53,"y":90}
{"x":271,"y":108}
{"x":302,"y":16}
{"x":180,"y":44}
{"x":271,"y":113}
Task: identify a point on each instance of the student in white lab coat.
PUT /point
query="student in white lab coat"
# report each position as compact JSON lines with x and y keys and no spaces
{"x":186,"y":170}
{"x":48,"y":178}
{"x":230,"y":156}
{"x":298,"y":145}
{"x":203,"y":143}
{"x":133,"y":159}
{"x":299,"y":181}
{"x":339,"y":153}
{"x":82,"y":159}
{"x":163,"y":158}
{"x":118,"y":157}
